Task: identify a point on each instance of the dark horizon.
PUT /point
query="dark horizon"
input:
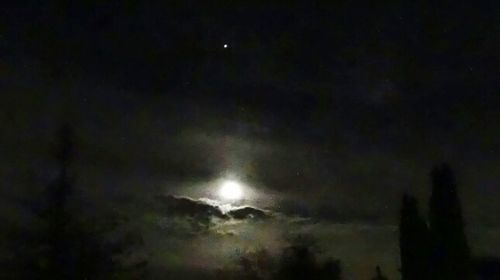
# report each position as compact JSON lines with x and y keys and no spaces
{"x":218,"y":129}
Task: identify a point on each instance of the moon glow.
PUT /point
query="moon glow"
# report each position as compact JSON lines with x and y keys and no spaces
{"x":231,"y":190}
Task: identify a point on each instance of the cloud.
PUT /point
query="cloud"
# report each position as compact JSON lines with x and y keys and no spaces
{"x":195,"y":215}
{"x":184,"y":206}
{"x":248,"y":212}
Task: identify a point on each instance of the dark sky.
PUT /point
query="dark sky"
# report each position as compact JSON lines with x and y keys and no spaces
{"x":326,"y":111}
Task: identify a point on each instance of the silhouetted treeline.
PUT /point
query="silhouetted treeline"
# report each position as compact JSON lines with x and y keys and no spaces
{"x":297,"y":261}
{"x":61,"y":244}
{"x":436,"y":250}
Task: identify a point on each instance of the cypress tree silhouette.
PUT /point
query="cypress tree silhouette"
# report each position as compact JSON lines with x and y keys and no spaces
{"x":413,"y":241}
{"x":450,"y":255}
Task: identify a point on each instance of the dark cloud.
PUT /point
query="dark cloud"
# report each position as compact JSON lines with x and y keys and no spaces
{"x":183,"y":206}
{"x":172,"y":206}
{"x":248,"y":212}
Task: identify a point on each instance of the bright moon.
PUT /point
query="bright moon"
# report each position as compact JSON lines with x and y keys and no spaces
{"x":225,"y":46}
{"x":231,"y":190}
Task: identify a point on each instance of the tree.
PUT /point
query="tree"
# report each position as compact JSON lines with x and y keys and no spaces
{"x":413,"y":241}
{"x":450,"y":254}
{"x":299,"y":262}
{"x":65,"y":245}
{"x":46,"y":250}
{"x":330,"y":270}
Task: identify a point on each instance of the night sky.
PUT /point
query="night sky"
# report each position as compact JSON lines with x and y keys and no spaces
{"x":325,"y":114}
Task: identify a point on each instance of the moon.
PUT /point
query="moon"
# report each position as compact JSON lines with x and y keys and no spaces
{"x":231,"y":190}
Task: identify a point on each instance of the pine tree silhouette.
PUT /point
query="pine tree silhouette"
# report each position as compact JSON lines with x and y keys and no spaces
{"x":413,"y":241}
{"x":450,"y":255}
{"x":64,"y":246}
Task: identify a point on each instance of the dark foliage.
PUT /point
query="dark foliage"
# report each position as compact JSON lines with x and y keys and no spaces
{"x":297,"y":261}
{"x":413,"y":241}
{"x":440,"y":251}
{"x":300,"y":262}
{"x":331,"y":270}
{"x":64,"y":245}
{"x":450,"y":255}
